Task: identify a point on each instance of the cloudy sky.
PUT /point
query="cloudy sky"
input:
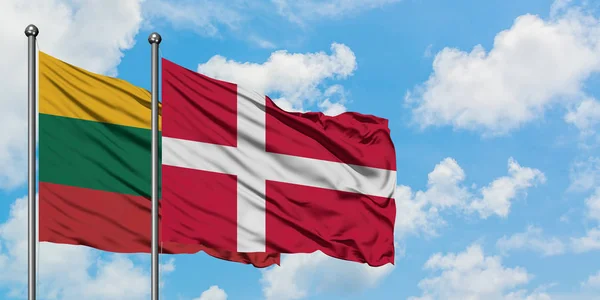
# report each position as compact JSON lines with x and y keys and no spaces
{"x":493,"y":108}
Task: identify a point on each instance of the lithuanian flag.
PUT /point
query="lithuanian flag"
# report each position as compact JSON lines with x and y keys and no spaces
{"x":94,"y":164}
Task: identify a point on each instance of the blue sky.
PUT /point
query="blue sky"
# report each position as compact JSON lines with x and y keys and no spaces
{"x":493,"y":111}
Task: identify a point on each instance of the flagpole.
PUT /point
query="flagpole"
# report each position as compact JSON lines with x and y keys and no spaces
{"x":31,"y":32}
{"x":154,"y":39}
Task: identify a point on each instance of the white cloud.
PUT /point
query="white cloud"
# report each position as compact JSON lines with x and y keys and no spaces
{"x":70,"y":31}
{"x":301,"y":11}
{"x":589,"y":242}
{"x":420,"y":211}
{"x":417,"y":214}
{"x":334,"y":102}
{"x":66,"y":271}
{"x":592,"y":282}
{"x":585,"y":174}
{"x":168,"y":266}
{"x":532,"y":66}
{"x":444,"y":189}
{"x":213,"y":293}
{"x":486,"y":276}
{"x":592,"y":204}
{"x":586,"y":116}
{"x":496,"y":197}
{"x":302,"y":274}
{"x":332,"y":109}
{"x":296,"y":77}
{"x":534,"y":240}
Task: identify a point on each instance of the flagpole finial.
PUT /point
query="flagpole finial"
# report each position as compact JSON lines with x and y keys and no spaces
{"x":154,"y":38}
{"x":32,"y":30}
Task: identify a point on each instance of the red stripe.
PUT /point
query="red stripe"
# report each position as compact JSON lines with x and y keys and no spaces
{"x":344,"y":225}
{"x":113,"y":222}
{"x":198,"y":108}
{"x":201,"y":207}
{"x":350,"y":138}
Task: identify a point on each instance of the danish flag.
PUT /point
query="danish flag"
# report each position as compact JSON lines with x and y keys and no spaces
{"x":242,"y":175}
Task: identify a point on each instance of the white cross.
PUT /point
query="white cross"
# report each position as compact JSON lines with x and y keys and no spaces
{"x":253,"y":166}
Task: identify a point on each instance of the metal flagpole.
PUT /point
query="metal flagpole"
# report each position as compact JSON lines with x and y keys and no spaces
{"x":154,"y":39}
{"x":31,"y":32}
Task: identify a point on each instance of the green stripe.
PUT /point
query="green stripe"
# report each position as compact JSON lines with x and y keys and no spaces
{"x":94,"y":155}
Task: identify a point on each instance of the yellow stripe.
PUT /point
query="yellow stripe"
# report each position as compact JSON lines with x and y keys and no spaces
{"x":69,"y":91}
